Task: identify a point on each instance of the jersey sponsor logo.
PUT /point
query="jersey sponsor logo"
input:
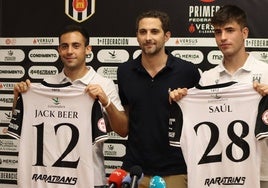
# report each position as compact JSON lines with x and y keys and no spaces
{"x":215,"y":94}
{"x":56,"y":100}
{"x":54,"y":179}
{"x":265,"y":117}
{"x":79,"y":10}
{"x":225,"y":181}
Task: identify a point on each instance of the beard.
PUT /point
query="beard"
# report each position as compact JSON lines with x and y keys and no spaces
{"x":151,"y":50}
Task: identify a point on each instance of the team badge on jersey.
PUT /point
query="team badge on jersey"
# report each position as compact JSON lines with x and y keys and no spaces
{"x":79,"y":10}
{"x":265,"y":117}
{"x":98,"y":123}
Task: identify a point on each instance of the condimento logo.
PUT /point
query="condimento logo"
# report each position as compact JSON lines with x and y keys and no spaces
{"x":43,"y":55}
{"x":11,"y":71}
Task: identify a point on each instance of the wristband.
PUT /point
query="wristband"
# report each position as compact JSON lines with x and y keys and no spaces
{"x":108,"y":104}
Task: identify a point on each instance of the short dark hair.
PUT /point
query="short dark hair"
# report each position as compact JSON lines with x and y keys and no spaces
{"x":73,"y":28}
{"x":164,"y":18}
{"x":229,"y":13}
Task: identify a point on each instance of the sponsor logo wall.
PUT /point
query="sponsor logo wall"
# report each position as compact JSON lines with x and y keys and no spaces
{"x":28,"y":48}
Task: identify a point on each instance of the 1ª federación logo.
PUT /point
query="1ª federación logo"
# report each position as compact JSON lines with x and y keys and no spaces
{"x":79,"y":10}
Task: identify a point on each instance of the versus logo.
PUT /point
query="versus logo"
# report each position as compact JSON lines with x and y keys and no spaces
{"x":79,"y":10}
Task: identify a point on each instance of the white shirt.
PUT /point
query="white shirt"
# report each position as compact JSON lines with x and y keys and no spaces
{"x":252,"y":70}
{"x":109,"y":88}
{"x":54,"y":131}
{"x":218,"y":137}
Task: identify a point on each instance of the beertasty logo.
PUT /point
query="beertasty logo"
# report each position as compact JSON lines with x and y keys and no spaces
{"x":79,"y":10}
{"x":42,"y":72}
{"x":56,"y":100}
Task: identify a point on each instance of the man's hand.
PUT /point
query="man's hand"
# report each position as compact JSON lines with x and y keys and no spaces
{"x":96,"y":92}
{"x":21,"y":87}
{"x":177,"y":94}
{"x":262,"y":89}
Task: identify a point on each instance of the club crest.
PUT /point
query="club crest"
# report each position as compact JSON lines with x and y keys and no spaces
{"x":79,"y":10}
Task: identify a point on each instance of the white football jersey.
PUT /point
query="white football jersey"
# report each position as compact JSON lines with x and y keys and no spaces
{"x":56,"y":127}
{"x":218,"y":136}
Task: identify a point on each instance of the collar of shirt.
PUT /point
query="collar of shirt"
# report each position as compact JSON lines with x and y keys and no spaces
{"x":138,"y":65}
{"x":85,"y":80}
{"x":246,"y":67}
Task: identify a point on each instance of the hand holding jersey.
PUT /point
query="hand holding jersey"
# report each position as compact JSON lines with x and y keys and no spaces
{"x":56,"y":131}
{"x":218,"y":138}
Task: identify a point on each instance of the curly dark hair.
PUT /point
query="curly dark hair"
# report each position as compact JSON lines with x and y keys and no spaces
{"x":164,"y":18}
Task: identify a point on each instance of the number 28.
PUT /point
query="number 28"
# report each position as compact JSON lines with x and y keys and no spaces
{"x":236,"y":140}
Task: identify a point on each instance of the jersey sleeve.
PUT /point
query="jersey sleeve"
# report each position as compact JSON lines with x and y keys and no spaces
{"x":175,"y":125}
{"x":99,"y":132}
{"x":261,"y":128}
{"x":14,"y":127}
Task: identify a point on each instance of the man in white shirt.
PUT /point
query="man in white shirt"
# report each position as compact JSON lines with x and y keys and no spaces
{"x":231,"y":31}
{"x":73,"y":48}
